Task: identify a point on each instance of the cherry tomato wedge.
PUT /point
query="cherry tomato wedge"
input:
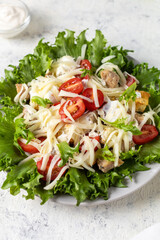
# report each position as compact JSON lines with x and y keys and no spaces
{"x":129,"y":81}
{"x":73,"y":85}
{"x":88,"y":92}
{"x":149,"y":132}
{"x":85,"y":64}
{"x":28,"y":147}
{"x":55,"y":171}
{"x":75,"y":106}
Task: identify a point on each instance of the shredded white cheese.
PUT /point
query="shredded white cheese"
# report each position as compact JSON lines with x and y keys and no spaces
{"x":69,"y":94}
{"x":53,"y":183}
{"x":108,"y":58}
{"x":49,"y":173}
{"x":66,"y":112}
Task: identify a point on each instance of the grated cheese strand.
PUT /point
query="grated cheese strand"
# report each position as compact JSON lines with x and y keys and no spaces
{"x":53,"y":183}
{"x":66,"y":112}
{"x":69,"y":94}
{"x":49,"y":173}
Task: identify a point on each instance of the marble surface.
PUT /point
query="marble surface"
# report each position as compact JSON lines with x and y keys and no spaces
{"x":133,"y":24}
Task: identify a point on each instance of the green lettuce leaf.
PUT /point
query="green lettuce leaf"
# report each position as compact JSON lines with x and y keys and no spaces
{"x":121,"y":58}
{"x":21,"y":131}
{"x":95,"y":51}
{"x":42,"y":58}
{"x":150,"y":152}
{"x":45,"y":195}
{"x":105,"y":153}
{"x":130,"y":154}
{"x":67,"y":44}
{"x":41,"y":101}
{"x":80,"y":41}
{"x":86,"y":72}
{"x":23,"y":73}
{"x":157,"y":121}
{"x":9,"y":154}
{"x":67,"y":152}
{"x":6,"y":101}
{"x":149,"y":78}
{"x":131,"y":163}
{"x":23,"y":176}
{"x":120,"y":123}
{"x":101,"y":183}
{"x":9,"y":109}
{"x":31,"y":66}
{"x":7,"y":88}
{"x":154,"y":99}
{"x":129,"y":167}
{"x":76,"y":184}
{"x":129,"y":93}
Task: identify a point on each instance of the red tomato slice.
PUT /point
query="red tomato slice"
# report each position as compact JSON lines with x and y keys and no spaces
{"x":88,"y":92}
{"x":55,"y":171}
{"x":73,"y":85}
{"x":29,"y":148}
{"x":149,"y":132}
{"x":85,"y":64}
{"x":75,"y":106}
{"x":129,"y":81}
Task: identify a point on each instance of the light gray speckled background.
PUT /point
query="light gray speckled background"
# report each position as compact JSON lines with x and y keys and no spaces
{"x":134,"y":24}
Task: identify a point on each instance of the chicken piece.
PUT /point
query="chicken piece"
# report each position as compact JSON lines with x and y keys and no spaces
{"x":111,"y":78}
{"x":142,"y":101}
{"x":105,"y":165}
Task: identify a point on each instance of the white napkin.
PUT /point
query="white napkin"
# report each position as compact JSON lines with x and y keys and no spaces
{"x":149,"y":233}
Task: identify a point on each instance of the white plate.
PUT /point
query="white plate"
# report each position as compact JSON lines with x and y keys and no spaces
{"x":139,"y":180}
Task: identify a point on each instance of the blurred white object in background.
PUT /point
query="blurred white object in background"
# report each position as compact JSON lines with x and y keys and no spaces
{"x":149,"y":233}
{"x":14,"y":18}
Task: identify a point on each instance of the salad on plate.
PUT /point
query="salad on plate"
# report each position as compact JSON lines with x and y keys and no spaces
{"x":77,"y":117}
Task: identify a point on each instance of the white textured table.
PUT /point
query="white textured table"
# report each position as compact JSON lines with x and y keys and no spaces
{"x":133,"y":24}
